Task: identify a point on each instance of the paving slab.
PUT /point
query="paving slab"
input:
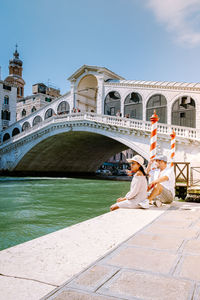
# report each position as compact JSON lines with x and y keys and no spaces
{"x":131,"y":285}
{"x":187,"y":233}
{"x":192,"y":246}
{"x":190,"y":267}
{"x":179,"y":222}
{"x":77,"y":295}
{"x":159,"y":242}
{"x":91,"y":279}
{"x":22,"y":289}
{"x":143,"y":259}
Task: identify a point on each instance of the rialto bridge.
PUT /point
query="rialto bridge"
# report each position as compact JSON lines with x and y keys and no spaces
{"x":113,"y":115}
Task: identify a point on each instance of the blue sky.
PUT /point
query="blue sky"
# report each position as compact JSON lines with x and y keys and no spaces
{"x":137,"y":39}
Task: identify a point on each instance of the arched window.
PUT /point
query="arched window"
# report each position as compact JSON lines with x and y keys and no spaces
{"x":49,"y":113}
{"x":37,"y":120}
{"x":26,"y":126}
{"x":15,"y":131}
{"x":63,"y":108}
{"x":184,"y":112}
{"x":33,"y":109}
{"x":6,"y":137}
{"x":6,"y":100}
{"x":23,"y":113}
{"x":112,"y":103}
{"x":133,"y":106}
{"x":159,"y":104}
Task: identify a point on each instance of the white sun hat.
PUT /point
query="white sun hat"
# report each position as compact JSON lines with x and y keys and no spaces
{"x":139,"y":159}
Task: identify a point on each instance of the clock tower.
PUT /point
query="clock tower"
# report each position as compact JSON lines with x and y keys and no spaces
{"x":15,"y":74}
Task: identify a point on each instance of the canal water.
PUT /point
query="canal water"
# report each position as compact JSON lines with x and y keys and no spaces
{"x":32,"y":207}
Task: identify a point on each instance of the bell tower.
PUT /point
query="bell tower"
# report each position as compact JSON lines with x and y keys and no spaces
{"x":15,"y":74}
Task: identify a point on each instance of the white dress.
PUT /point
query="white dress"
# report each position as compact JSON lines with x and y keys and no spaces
{"x":137,"y":193}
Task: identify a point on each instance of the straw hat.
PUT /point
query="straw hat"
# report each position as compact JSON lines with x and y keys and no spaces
{"x":139,"y":159}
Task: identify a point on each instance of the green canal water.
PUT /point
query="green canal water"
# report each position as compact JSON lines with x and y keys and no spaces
{"x":32,"y":207}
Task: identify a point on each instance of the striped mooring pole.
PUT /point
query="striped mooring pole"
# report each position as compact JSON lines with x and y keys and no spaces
{"x":173,"y":142}
{"x":153,"y":142}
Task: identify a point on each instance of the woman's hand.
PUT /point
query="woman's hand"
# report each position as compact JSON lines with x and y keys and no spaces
{"x":121,"y":199}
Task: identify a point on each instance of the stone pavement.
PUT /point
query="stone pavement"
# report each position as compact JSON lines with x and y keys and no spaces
{"x":161,"y":261}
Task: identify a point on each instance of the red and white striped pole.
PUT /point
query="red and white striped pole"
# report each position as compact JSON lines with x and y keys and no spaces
{"x":173,"y":142}
{"x":153,"y":142}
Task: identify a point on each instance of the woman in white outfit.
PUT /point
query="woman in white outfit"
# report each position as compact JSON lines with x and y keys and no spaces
{"x":138,"y":189}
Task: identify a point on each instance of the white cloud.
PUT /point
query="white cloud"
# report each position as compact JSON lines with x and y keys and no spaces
{"x":182,"y":17}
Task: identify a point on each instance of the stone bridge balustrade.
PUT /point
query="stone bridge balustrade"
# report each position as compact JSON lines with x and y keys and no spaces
{"x":87,"y":130}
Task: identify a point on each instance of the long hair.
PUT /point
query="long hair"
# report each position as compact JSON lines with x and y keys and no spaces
{"x":143,"y":171}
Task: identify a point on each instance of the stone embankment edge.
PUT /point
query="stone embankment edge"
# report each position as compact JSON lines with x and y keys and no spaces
{"x":46,"y":260}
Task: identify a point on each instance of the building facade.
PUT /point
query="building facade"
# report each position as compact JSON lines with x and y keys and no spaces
{"x":8,"y":96}
{"x":42,"y":96}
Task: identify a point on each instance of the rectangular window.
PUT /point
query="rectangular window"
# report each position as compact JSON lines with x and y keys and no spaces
{"x":6,"y":87}
{"x":5,"y":115}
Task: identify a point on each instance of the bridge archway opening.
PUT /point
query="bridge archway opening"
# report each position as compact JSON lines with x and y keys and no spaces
{"x":26,"y":126}
{"x":86,"y":95}
{"x":70,"y":152}
{"x":158,"y":103}
{"x":112,"y":103}
{"x":63,"y":108}
{"x":37,"y":120}
{"x":15,"y":131}
{"x":49,"y":113}
{"x":184,"y":112}
{"x":6,"y":137}
{"x":133,"y":106}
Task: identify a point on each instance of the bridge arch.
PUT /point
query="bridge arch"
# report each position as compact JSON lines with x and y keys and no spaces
{"x":98,"y":143}
{"x":133,"y":106}
{"x":86,"y":93}
{"x":6,"y":137}
{"x":157,"y":102}
{"x":26,"y":125}
{"x":63,"y":108}
{"x":15,"y":131}
{"x":37,"y":120}
{"x":183,"y":112}
{"x":49,"y":113}
{"x":112,"y":103}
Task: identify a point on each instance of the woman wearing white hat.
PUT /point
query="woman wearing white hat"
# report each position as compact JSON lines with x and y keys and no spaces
{"x":138,"y":190}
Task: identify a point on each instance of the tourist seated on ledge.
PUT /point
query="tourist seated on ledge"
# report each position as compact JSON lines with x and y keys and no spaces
{"x":162,"y":183}
{"x":138,"y":189}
